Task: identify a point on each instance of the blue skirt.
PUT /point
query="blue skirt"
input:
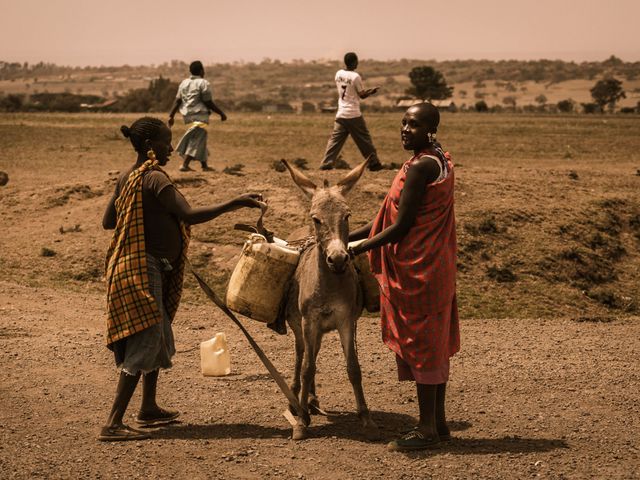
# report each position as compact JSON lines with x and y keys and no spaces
{"x":153,"y":347}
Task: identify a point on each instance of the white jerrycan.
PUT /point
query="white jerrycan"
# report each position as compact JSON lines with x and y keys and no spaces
{"x":215,"y":360}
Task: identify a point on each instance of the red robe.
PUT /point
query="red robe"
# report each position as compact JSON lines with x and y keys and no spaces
{"x":417,"y":276}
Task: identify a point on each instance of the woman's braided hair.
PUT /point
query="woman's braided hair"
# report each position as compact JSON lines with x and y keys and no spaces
{"x":143,"y":129}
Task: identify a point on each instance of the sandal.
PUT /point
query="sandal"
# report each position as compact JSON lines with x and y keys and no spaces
{"x":444,"y":437}
{"x":413,"y":440}
{"x":185,"y":169}
{"x":121,"y":433}
{"x":164,"y":416}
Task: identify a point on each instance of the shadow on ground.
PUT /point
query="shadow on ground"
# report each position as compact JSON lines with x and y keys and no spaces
{"x":489,"y":446}
{"x":335,"y":424}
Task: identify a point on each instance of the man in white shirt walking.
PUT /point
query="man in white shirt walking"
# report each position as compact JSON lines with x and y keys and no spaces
{"x":194,"y":100}
{"x":349,"y":119}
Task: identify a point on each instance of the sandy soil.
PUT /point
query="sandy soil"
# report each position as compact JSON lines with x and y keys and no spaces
{"x":552,"y":396}
{"x":527,"y":398}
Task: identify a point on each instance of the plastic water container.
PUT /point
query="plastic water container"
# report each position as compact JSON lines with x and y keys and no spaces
{"x":215,"y":360}
{"x":368,"y":283}
{"x":257,"y":284}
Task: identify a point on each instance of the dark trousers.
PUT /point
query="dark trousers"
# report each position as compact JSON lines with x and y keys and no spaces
{"x":357,"y":128}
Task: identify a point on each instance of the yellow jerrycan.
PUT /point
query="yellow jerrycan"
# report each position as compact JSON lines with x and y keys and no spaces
{"x":258,"y":282}
{"x":215,"y":360}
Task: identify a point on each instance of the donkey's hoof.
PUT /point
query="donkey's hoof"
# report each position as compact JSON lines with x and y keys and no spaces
{"x":300,"y":432}
{"x":305,"y":419}
{"x":370,"y":430}
{"x":367,"y":422}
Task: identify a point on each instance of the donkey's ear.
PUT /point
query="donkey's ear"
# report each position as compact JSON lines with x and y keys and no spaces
{"x":306,"y":185}
{"x":346,"y":184}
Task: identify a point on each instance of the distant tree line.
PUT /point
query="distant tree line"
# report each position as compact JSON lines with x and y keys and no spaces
{"x":272,"y":71}
{"x":430,"y":84}
{"x":427,"y":83}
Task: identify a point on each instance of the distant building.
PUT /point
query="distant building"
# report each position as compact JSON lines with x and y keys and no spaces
{"x":277,"y":108}
{"x":328,"y":109}
{"x":405,"y":103}
{"x":448,"y":105}
{"x":98,"y":106}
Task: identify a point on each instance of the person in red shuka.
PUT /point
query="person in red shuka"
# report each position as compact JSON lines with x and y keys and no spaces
{"x":412,"y":252}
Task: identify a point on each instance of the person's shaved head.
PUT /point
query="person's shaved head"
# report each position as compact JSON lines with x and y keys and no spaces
{"x":196,"y":68}
{"x":429,"y":114}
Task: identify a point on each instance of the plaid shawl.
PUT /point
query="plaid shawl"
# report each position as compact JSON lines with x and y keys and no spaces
{"x":130,"y":306}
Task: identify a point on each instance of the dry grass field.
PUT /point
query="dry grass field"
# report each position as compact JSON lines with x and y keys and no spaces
{"x":546,"y":384}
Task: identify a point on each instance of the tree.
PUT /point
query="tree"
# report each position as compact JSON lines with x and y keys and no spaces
{"x":607,"y":92}
{"x":565,"y":106}
{"x":510,"y":100}
{"x":591,"y":107}
{"x":428,"y":84}
{"x":12,"y":103}
{"x":541,"y":99}
{"x":482,"y":106}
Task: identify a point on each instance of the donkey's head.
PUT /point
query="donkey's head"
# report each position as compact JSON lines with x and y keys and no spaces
{"x":330,"y":214}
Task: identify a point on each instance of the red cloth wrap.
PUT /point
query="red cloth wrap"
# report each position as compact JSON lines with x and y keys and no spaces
{"x":417,"y":276}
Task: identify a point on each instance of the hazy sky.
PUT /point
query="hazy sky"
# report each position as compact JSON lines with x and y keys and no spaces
{"x":115,"y":32}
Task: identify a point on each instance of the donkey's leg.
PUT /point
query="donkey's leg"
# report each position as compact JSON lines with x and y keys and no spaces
{"x":299,"y":344}
{"x":314,"y":403}
{"x":347,"y":338}
{"x":312,"y":340}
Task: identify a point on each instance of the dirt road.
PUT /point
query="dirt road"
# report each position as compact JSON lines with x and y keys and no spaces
{"x":527,"y":398}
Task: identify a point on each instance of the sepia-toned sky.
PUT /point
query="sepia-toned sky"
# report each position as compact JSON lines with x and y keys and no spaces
{"x":116,"y":32}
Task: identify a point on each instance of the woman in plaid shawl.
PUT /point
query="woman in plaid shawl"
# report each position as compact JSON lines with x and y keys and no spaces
{"x":144,"y":272}
{"x":412,"y":251}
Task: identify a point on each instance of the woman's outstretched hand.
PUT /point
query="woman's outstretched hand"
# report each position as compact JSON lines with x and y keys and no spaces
{"x":250,"y":200}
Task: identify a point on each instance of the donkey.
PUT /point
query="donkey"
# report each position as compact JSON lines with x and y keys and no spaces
{"x":325,"y":294}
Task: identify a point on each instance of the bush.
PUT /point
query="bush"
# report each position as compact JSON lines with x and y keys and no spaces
{"x":157,"y":97}
{"x":62,"y":102}
{"x":308,"y":107}
{"x":591,"y":108}
{"x":565,"y":106}
{"x":510,"y":100}
{"x":12,"y":103}
{"x":249,"y":105}
{"x":481,"y":106}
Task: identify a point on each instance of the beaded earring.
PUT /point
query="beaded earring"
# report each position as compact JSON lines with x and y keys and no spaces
{"x":431,"y":137}
{"x":151,"y":155}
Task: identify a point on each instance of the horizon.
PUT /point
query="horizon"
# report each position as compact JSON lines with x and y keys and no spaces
{"x":88,"y":33}
{"x":318,"y":60}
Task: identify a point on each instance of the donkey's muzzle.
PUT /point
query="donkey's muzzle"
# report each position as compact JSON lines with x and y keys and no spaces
{"x":338,"y":261}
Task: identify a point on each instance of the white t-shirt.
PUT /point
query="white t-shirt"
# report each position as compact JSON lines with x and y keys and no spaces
{"x":349,"y":84}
